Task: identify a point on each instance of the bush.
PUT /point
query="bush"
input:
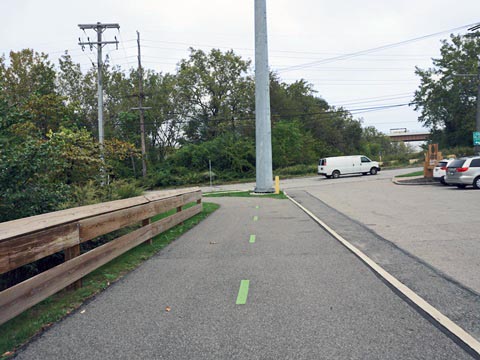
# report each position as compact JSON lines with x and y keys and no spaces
{"x":297,"y":170}
{"x":123,"y":189}
{"x":459,"y":151}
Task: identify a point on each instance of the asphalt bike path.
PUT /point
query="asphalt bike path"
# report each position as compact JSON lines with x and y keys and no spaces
{"x":258,"y":279}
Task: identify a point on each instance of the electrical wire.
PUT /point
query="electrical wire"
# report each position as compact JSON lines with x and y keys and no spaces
{"x":371,"y":50}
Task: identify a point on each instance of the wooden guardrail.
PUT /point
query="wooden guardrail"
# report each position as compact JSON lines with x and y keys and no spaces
{"x":26,"y":240}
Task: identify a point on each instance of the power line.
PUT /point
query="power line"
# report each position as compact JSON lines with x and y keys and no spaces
{"x":368,"y":51}
{"x":323,"y":114}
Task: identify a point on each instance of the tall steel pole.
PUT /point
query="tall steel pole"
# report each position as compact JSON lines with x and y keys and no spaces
{"x":263,"y":131}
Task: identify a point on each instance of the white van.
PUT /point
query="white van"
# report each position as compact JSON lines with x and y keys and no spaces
{"x":333,"y":167}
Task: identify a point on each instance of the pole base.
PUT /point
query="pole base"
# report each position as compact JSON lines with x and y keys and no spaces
{"x":264,"y":191}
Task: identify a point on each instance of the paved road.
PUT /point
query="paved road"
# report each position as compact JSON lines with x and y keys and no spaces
{"x":308,"y":298}
{"x":438,"y":224}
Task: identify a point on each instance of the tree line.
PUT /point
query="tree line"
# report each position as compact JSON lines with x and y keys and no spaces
{"x":204,"y":111}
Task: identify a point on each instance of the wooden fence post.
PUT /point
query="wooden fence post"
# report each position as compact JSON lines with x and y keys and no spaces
{"x":145,"y":223}
{"x":71,"y":253}
{"x":178,"y":210}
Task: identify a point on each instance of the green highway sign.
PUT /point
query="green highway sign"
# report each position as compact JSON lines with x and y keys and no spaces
{"x":476,"y":138}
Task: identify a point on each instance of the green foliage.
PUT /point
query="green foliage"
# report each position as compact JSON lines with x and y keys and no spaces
{"x":447,"y":93}
{"x":29,"y":180}
{"x":215,"y":91}
{"x":226,"y":153}
{"x":301,"y":169}
{"x":79,"y":152}
{"x":458,"y":151}
{"x":123,"y":189}
{"x":291,"y":145}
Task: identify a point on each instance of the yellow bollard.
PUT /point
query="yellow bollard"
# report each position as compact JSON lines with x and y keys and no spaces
{"x":277,"y":185}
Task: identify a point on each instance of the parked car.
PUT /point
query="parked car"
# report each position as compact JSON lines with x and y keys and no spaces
{"x":440,"y":170}
{"x":333,"y":167}
{"x":463,"y":172}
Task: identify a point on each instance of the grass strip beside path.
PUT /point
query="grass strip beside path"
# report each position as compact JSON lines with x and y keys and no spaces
{"x":416,"y":173}
{"x":22,"y":328}
{"x":245,"y":194}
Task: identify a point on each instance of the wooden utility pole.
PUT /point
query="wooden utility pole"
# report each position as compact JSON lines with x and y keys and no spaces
{"x":141,"y":96}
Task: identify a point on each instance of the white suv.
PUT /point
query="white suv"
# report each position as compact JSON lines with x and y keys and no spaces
{"x":440,"y":170}
{"x":463,"y":172}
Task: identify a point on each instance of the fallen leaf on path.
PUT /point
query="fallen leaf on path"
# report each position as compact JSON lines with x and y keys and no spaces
{"x":83,"y":311}
{"x":8,"y":353}
{"x":168,"y":308}
{"x":213,"y":243}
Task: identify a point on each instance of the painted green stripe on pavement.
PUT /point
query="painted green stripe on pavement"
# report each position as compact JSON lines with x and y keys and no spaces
{"x":243,"y":292}
{"x":257,"y":207}
{"x":255,"y":218}
{"x":252,"y":239}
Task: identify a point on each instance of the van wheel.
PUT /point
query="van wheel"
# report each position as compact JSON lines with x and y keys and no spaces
{"x":373,"y":171}
{"x":336,"y":174}
{"x":476,"y":182}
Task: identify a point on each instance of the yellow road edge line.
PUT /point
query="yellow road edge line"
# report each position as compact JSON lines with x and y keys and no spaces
{"x":435,"y":314}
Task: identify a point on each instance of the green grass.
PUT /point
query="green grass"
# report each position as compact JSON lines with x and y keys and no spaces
{"x":22,"y":328}
{"x":416,"y":173}
{"x":245,"y":194}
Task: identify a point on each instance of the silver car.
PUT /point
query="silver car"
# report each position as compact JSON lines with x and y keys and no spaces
{"x":463,"y":172}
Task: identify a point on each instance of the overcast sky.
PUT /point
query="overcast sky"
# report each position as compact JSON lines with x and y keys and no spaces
{"x":300,"y":32}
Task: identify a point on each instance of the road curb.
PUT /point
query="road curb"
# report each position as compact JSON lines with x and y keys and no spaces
{"x":420,"y":180}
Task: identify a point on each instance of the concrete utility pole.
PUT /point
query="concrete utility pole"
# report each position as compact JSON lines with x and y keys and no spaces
{"x":99,"y":29}
{"x":263,"y":131}
{"x":141,"y":96}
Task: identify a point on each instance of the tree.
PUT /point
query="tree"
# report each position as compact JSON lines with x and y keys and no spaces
{"x":216,"y":93}
{"x":28,"y":84}
{"x":447,"y":94}
{"x":28,"y":179}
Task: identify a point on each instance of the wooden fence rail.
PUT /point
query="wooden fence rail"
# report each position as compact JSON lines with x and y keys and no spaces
{"x":26,"y":240}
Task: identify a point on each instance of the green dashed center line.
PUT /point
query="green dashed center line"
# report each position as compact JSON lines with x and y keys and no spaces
{"x":252,"y":239}
{"x":257,"y":207}
{"x":255,"y":218}
{"x":243,"y":292}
